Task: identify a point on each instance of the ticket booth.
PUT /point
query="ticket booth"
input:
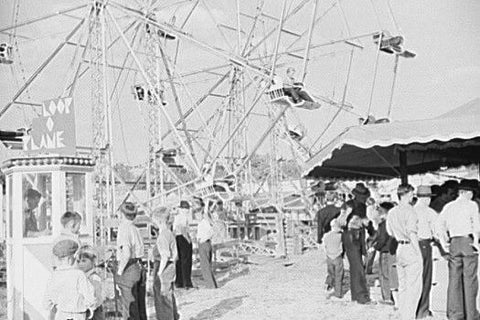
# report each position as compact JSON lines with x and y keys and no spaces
{"x":39,"y":190}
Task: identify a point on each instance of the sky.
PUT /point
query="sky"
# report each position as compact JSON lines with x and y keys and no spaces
{"x":444,"y":75}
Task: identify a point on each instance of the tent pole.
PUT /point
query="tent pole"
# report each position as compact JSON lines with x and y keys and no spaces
{"x":403,"y":167}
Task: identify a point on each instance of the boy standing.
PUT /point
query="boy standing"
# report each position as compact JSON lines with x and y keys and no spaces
{"x":86,"y":259}
{"x":71,"y":223}
{"x":334,"y":251}
{"x":164,"y":269}
{"x":130,"y":274}
{"x":69,"y":294}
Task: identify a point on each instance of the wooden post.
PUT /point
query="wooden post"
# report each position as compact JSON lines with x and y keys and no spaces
{"x":403,"y":167}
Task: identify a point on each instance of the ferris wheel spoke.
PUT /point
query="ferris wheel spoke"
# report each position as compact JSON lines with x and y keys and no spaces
{"x":41,"y":68}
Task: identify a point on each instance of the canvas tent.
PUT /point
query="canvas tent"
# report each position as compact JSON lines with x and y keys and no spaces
{"x":390,"y":150}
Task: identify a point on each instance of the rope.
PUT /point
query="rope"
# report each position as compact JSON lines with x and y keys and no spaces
{"x":374,"y":74}
{"x":395,"y":68}
{"x":392,"y":16}
{"x":377,"y":18}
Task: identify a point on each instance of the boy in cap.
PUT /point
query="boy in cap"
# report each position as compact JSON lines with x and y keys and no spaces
{"x":130,"y":273}
{"x":459,"y":228}
{"x":334,"y":252}
{"x":181,"y":229}
{"x":86,"y":260}
{"x":164,"y":269}
{"x":69,"y":294}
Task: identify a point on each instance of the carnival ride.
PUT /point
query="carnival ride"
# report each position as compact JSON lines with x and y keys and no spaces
{"x":202,"y":82}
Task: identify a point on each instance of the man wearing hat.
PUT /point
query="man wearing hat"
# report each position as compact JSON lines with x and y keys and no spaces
{"x":427,"y":219}
{"x":459,"y":226}
{"x":130,"y":273}
{"x":181,"y":229}
{"x":355,"y":246}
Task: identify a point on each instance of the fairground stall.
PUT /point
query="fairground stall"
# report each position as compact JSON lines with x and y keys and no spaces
{"x":40,"y":186}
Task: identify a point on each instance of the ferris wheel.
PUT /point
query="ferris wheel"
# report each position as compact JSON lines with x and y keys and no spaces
{"x":209,"y":83}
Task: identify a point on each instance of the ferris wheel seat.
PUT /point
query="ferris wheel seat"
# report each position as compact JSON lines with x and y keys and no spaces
{"x":6,"y":53}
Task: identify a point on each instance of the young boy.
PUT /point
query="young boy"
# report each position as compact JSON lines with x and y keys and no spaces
{"x":334,"y":251}
{"x":86,"y":260}
{"x":164,"y":269}
{"x":71,"y":222}
{"x":69,"y":294}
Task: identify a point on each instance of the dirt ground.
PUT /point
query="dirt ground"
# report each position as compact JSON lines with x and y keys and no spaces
{"x":267,"y":289}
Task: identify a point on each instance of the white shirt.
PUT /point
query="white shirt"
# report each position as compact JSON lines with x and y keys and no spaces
{"x":333,"y":244}
{"x":427,"y":220}
{"x":166,"y":244}
{"x":204,"y":231}
{"x":181,"y":223}
{"x":459,"y":218}
{"x":401,"y":222}
{"x":96,"y":282}
{"x":129,"y":244}
{"x":69,"y":290}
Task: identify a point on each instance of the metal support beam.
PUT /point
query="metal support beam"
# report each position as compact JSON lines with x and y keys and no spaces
{"x":152,"y":87}
{"x":403,"y":166}
{"x":40,"y":68}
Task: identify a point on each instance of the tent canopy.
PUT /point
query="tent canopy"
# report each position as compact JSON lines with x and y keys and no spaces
{"x":375,"y":151}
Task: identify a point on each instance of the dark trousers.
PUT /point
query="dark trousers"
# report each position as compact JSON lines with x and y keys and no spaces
{"x":165,"y":303}
{"x":370,"y":261}
{"x":132,"y":292}
{"x":98,"y":314}
{"x":385,"y":265}
{"x":358,"y":282}
{"x":205,"y":251}
{"x":335,"y":275}
{"x":184,"y":263}
{"x":462,"y":280}
{"x":423,"y":309}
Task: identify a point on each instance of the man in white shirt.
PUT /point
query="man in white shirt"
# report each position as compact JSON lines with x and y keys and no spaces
{"x":402,"y":225}
{"x":205,"y":233}
{"x":181,"y":229}
{"x":130,"y":272}
{"x":459,"y":225}
{"x":427,"y":219}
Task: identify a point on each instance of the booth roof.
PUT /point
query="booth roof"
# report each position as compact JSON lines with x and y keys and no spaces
{"x":372,"y":151}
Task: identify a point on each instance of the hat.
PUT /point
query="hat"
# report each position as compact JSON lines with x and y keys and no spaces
{"x":128,"y":208}
{"x":65,"y":248}
{"x":32,"y":193}
{"x":361,"y":190}
{"x":468,"y":184}
{"x":184,"y":204}
{"x":424,"y":191}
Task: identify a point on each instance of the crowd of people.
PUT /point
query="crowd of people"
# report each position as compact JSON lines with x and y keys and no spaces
{"x":76,"y":290}
{"x":443,"y":218}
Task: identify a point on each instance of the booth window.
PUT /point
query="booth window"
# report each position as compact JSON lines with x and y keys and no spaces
{"x":75,"y":193}
{"x":37,"y":204}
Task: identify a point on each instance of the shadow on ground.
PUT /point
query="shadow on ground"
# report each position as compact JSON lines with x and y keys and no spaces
{"x":220,"y":309}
